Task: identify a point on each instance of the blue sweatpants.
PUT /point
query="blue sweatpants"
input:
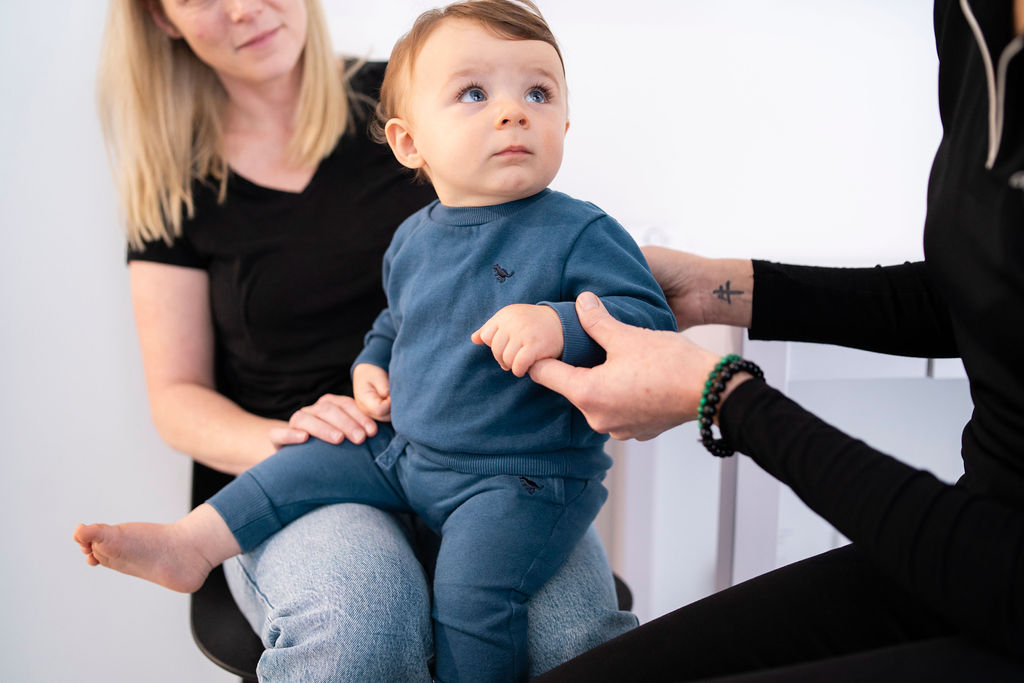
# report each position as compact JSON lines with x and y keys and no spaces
{"x":502,"y":536}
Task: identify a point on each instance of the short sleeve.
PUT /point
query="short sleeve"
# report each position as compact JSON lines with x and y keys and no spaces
{"x":180,"y":252}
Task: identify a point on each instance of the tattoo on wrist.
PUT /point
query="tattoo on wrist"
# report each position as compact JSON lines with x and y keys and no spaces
{"x":726,"y":292}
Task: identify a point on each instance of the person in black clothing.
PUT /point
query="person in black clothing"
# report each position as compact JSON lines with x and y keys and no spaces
{"x":932,"y":586}
{"x":258,"y":211}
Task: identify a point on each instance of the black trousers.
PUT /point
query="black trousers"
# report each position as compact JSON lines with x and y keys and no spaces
{"x":832,"y":617}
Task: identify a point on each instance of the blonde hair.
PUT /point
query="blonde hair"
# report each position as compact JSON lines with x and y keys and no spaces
{"x":160,"y":109}
{"x":520,"y":20}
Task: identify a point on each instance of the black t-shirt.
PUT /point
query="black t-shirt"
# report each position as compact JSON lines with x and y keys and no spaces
{"x":295,"y":278}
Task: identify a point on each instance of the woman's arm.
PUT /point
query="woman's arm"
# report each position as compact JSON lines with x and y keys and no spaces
{"x":897,"y":309}
{"x":887,"y":309}
{"x":172,"y":315}
{"x":960,"y":552}
{"x":704,"y":291}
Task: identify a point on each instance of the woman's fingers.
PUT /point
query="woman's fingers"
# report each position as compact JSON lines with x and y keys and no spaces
{"x":286,"y":436}
{"x":332,"y":418}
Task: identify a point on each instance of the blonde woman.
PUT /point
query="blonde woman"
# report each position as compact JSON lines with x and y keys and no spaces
{"x":257,"y":213}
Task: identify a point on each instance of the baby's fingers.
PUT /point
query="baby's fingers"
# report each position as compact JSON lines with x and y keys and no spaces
{"x":512,"y":351}
{"x":373,"y":404}
{"x":485,"y":334}
{"x":498,"y":345}
{"x":378,"y":407}
{"x":523,"y":361}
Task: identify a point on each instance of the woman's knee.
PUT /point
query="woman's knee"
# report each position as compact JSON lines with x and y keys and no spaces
{"x":338,"y":595}
{"x":332,"y":642}
{"x":577,"y":609}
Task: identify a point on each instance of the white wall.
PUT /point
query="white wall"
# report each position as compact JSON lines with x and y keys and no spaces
{"x":793,"y":130}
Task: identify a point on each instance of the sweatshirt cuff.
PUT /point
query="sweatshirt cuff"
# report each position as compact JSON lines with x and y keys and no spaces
{"x":578,"y":349}
{"x":376,"y":352}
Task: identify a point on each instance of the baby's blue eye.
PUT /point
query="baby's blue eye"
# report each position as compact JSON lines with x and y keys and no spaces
{"x":537,"y":96}
{"x":473,"y":94}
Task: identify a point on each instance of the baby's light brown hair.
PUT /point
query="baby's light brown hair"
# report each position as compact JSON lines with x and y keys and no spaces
{"x":510,"y":20}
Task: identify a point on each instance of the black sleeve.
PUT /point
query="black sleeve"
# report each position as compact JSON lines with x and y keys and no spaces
{"x":178,"y":253}
{"x":891,"y":309}
{"x":960,"y":552}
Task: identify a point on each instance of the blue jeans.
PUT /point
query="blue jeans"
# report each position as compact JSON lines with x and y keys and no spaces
{"x":340,"y":595}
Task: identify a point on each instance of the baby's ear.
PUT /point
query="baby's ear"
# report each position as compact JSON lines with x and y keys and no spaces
{"x":400,"y":139}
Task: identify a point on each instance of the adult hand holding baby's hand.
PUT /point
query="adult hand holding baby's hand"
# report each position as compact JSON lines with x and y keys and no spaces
{"x":371,"y":389}
{"x":651,"y":380}
{"x":521,"y":334}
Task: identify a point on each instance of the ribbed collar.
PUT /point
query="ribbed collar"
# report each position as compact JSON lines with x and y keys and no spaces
{"x":478,"y":215}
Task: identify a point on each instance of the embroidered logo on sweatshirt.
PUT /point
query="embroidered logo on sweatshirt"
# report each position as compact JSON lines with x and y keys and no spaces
{"x":502,"y":274}
{"x":531,"y":486}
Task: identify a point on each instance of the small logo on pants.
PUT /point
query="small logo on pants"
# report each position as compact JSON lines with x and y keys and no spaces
{"x":531,"y":486}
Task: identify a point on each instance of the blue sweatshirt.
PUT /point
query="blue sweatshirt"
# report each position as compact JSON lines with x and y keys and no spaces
{"x":447,"y":271}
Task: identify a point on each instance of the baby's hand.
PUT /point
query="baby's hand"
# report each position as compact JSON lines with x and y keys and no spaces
{"x":520,"y":335}
{"x":371,"y":389}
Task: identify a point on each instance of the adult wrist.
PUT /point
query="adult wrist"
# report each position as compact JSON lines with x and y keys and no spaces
{"x":727,"y":288}
{"x":737,"y":379}
{"x":730,"y":372}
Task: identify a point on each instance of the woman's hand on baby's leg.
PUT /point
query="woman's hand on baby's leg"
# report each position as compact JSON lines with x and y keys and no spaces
{"x":332,"y":418}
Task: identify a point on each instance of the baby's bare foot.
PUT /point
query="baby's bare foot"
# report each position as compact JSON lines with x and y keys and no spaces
{"x":160,"y":553}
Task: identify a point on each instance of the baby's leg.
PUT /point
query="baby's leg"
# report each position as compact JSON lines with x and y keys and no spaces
{"x":499,"y":547}
{"x":303,"y":477}
{"x":178,"y":556}
{"x":244,"y":513}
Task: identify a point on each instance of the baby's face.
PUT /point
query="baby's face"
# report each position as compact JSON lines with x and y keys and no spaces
{"x":488,"y":115}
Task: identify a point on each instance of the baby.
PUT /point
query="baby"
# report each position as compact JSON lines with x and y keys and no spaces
{"x":507,"y":472}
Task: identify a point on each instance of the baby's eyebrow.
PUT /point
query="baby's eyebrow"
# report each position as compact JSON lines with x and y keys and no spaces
{"x":547,"y":74}
{"x":478,"y":71}
{"x":544,"y":71}
{"x":469,"y":72}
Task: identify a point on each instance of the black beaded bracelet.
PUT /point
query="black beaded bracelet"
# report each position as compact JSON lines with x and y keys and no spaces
{"x":711,"y":397}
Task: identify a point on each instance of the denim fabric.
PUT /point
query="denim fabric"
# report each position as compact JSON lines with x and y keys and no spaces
{"x":477,"y":594}
{"x":337,"y":596}
{"x":343,"y":586}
